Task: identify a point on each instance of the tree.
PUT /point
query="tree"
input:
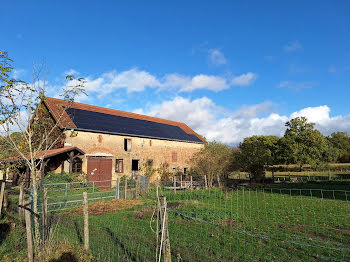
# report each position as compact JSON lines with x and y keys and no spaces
{"x":256,"y":153}
{"x":212,"y":161}
{"x":302,"y":144}
{"x":21,"y":109}
{"x":341,"y":142}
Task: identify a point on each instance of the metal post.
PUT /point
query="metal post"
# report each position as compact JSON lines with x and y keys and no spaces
{"x":117,"y":188}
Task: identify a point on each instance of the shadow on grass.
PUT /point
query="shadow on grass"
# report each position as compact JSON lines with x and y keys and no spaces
{"x":4,"y":232}
{"x":117,"y":242}
{"x":65,"y":257}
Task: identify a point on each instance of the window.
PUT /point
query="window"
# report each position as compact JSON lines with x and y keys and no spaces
{"x":150,"y":162}
{"x":127,"y":144}
{"x":174,"y":156}
{"x":135,"y":165}
{"x":119,"y":166}
{"x":77,"y":163}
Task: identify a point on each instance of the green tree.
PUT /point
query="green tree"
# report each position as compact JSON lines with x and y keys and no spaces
{"x":256,"y":153}
{"x":302,"y":144}
{"x":341,"y":142}
{"x":20,"y":110}
{"x":213,"y":160}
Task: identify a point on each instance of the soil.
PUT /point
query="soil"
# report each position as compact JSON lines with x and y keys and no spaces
{"x":104,"y":207}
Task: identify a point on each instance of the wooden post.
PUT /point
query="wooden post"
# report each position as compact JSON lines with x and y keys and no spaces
{"x":45,"y":218}
{"x":191,"y":183}
{"x":205,"y":181}
{"x":29,"y":234}
{"x":125,"y":187}
{"x":175,"y":183}
{"x":2,"y":190}
{"x":165,"y":241}
{"x":117,"y":188}
{"x":86,"y":221}
{"x":20,"y":200}
{"x":62,"y":167}
{"x":6,"y":200}
{"x":71,"y":157}
{"x":180,"y":181}
{"x":137,"y":186}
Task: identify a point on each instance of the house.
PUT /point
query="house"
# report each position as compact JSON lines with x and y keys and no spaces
{"x":117,"y":143}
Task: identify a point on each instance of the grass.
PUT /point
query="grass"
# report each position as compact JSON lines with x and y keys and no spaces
{"x":214,"y":225}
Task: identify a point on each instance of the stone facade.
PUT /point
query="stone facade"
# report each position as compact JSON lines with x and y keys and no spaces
{"x":177,"y":154}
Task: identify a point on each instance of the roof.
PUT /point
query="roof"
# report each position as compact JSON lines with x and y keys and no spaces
{"x":104,"y":120}
{"x":46,"y":154}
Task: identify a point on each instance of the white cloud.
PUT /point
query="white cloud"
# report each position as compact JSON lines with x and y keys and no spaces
{"x":71,"y":72}
{"x":297,"y":85}
{"x":135,"y":80}
{"x":244,"y":79}
{"x":208,"y":119}
{"x":216,"y":57}
{"x":189,"y":84}
{"x":293,"y":46}
{"x":18,"y":73}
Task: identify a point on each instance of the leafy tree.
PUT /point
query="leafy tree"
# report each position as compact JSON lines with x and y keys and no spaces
{"x":21,"y":110}
{"x":256,"y":153}
{"x":341,"y":142}
{"x":213,"y":161}
{"x":302,"y":144}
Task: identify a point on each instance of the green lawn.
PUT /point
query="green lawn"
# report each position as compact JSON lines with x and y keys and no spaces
{"x":214,"y":225}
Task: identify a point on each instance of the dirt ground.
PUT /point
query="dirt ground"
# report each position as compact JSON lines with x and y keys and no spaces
{"x":104,"y":207}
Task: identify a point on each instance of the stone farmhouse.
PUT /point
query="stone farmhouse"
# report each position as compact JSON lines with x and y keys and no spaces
{"x":111,"y":143}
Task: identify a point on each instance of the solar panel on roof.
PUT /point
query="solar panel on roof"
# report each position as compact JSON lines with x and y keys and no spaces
{"x":96,"y":121}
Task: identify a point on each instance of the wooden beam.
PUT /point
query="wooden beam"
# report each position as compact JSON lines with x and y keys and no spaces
{"x":71,"y":157}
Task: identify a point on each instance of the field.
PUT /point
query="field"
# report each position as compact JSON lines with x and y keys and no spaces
{"x":214,"y":225}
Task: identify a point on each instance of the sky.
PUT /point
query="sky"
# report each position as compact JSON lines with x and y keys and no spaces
{"x":228,"y":69}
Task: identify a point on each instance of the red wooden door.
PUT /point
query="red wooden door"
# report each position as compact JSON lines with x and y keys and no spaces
{"x":102,"y":169}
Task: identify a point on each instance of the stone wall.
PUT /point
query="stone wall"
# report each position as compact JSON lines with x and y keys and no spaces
{"x":176,"y":154}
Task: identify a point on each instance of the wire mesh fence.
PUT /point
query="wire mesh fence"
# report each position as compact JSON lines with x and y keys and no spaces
{"x":212,"y":225}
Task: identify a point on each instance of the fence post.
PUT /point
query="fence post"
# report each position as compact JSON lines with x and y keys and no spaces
{"x":191,"y":183}
{"x":180,"y":181}
{"x":93,"y":187}
{"x":175,"y":183}
{"x":165,"y":241}
{"x":137,"y":193}
{"x":205,"y":181}
{"x":20,"y":199}
{"x":44,"y":214}
{"x":66,"y":191}
{"x":125,"y":186}
{"x":29,"y":233}
{"x":329,"y":175}
{"x":86,"y":222}
{"x":2,"y":190}
{"x":117,"y":188}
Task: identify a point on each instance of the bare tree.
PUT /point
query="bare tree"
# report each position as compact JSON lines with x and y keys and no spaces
{"x":22,"y":110}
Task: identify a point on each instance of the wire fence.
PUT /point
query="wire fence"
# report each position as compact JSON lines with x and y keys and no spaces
{"x":213,"y":225}
{"x":242,"y":224}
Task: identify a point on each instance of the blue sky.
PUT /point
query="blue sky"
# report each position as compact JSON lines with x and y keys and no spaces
{"x":228,"y":69}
